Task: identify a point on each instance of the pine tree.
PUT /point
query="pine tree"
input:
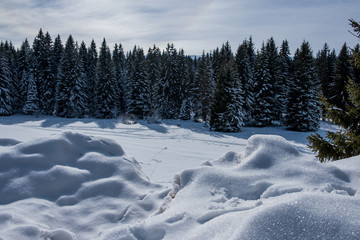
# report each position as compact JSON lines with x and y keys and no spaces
{"x":138,"y":94}
{"x":326,"y":70}
{"x":303,"y":112}
{"x":246,"y":76}
{"x":153,"y":69}
{"x":227,"y":110}
{"x":206,"y":87}
{"x":169,"y":103}
{"x":106,"y":89}
{"x":263,"y":112}
{"x":276,"y":87}
{"x":6,"y":99}
{"x":31,"y":105}
{"x":343,"y":69}
{"x":91,"y":77}
{"x":120,"y":76}
{"x":345,"y":142}
{"x":71,"y":96}
{"x":43,"y":71}
{"x":23,"y":71}
{"x":286,"y":77}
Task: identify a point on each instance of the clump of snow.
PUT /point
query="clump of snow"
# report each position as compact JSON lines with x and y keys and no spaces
{"x":74,"y":186}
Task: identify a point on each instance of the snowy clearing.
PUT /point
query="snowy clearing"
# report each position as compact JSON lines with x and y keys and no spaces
{"x":66,"y":179}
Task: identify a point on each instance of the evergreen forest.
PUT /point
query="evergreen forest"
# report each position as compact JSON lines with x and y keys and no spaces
{"x":226,"y":89}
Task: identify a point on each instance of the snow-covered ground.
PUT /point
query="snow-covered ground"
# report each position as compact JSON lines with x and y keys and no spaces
{"x":101,"y":179}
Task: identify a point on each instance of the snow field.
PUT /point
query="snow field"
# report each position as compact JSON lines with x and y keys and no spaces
{"x":81,"y":184}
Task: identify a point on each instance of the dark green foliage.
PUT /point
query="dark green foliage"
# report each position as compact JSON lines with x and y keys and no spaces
{"x":120,"y":76}
{"x":245,"y":68}
{"x":91,"y":77}
{"x":106,"y":88}
{"x":71,"y":96}
{"x":31,"y":105}
{"x":6,"y":99}
{"x":153,"y":69}
{"x":343,"y":70}
{"x":286,"y":78}
{"x":138,"y":94}
{"x":346,"y":142}
{"x":205,"y":88}
{"x":303,"y":112}
{"x":264,"y":97}
{"x":227,"y":112}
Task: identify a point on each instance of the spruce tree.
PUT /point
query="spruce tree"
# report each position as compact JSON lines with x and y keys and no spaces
{"x":6,"y":99}
{"x":169,"y":103}
{"x":263,"y":112}
{"x":227,"y":112}
{"x":345,"y":142}
{"x":106,"y":88}
{"x":23,"y":70}
{"x":138,"y":94}
{"x":326,"y":70}
{"x":286,"y":77}
{"x":303,"y":112}
{"x":71,"y":95}
{"x":31,"y":105}
{"x":246,"y":76}
{"x":91,"y":77}
{"x":343,"y":70}
{"x":153,"y":69}
{"x":120,"y":76}
{"x":206,"y":87}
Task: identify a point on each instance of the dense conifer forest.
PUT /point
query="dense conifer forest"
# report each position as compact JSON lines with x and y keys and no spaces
{"x":225,"y":88}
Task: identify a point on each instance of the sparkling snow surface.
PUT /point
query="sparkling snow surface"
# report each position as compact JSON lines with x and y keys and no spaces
{"x":64,"y":179}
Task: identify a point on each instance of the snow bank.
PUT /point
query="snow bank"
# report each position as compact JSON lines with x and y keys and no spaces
{"x":271,"y":191}
{"x":73,"y":186}
{"x":70,"y":181}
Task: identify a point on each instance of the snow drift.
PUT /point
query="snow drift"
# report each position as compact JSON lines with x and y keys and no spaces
{"x":268,"y":192}
{"x":73,"y":186}
{"x":70,"y":181}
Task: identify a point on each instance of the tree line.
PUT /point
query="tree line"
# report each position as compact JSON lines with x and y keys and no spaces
{"x":224,"y":88}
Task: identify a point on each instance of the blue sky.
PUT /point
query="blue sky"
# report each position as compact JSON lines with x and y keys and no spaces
{"x":193,"y":25}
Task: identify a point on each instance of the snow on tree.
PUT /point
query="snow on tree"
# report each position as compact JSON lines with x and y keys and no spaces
{"x":120,"y":76}
{"x":227,"y":113}
{"x":43,"y":71}
{"x":153,"y":69}
{"x":285,"y":78}
{"x":71,"y":95}
{"x":263,"y":112}
{"x":23,"y":71}
{"x":246,"y":76}
{"x":6,"y":99}
{"x":168,"y":91}
{"x":91,"y":77}
{"x":345,"y":142}
{"x":31,"y":105}
{"x":138,"y":94}
{"x":303,"y":112}
{"x":206,"y":87}
{"x":106,"y":88}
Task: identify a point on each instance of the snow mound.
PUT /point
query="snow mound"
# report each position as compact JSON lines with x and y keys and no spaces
{"x":62,"y":186}
{"x":272,"y":192}
{"x":67,"y":169}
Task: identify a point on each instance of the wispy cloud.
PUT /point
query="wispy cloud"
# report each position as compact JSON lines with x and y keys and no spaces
{"x":192,"y":24}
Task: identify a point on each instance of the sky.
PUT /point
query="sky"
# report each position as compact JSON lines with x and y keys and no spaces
{"x":194,"y":25}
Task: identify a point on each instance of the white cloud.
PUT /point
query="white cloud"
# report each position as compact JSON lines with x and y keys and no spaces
{"x":192,"y":24}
